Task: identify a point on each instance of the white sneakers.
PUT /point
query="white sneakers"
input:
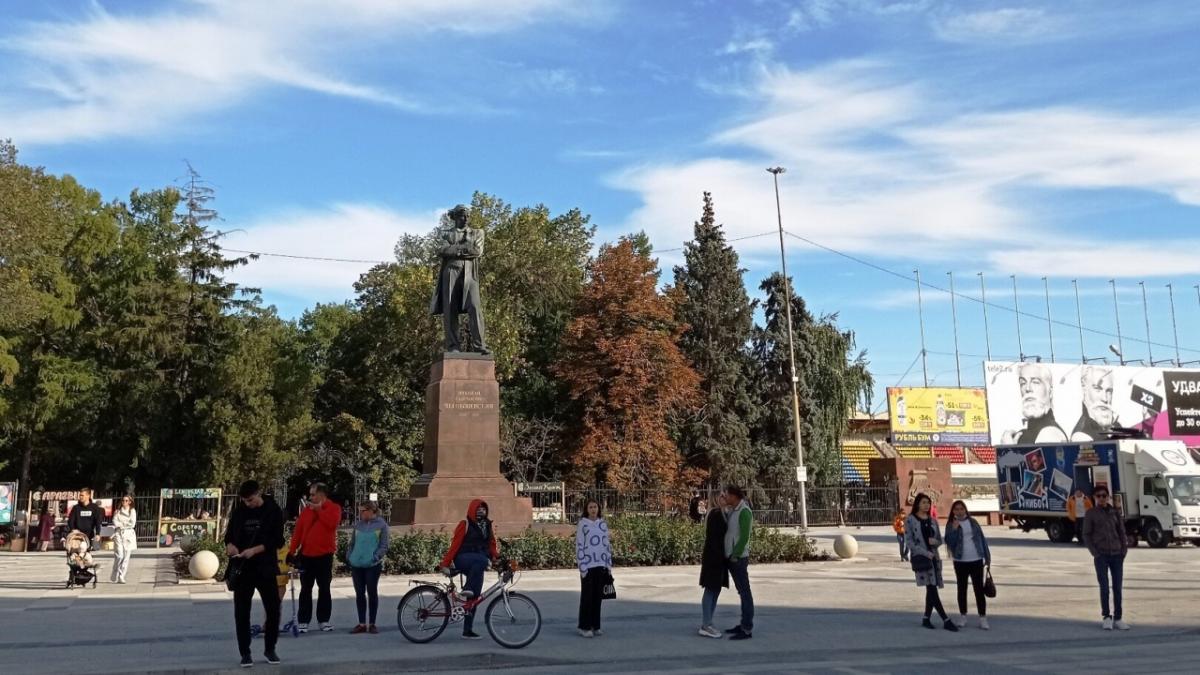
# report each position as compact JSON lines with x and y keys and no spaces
{"x":326,"y":627}
{"x":961,"y":621}
{"x":710,"y":632}
{"x":585,"y":633}
{"x":1108,"y":623}
{"x":303,"y":628}
{"x":597,"y":632}
{"x":983,"y":624}
{"x":1120,"y":625}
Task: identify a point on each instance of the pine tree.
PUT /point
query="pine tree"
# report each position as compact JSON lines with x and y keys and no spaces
{"x":718,"y":317}
{"x":623,"y":367}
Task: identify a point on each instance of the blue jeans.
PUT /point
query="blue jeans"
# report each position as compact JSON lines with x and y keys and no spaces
{"x":740,"y":571}
{"x":903,"y":546}
{"x":473,"y":565}
{"x":708,"y":604}
{"x":366,"y":588}
{"x":1114,"y":564}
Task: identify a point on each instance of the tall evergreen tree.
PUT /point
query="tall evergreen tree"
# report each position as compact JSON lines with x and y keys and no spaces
{"x":832,"y":380}
{"x":717,"y":316}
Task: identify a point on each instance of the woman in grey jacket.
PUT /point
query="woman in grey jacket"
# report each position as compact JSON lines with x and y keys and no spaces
{"x":971,"y":554}
{"x":923,"y":536}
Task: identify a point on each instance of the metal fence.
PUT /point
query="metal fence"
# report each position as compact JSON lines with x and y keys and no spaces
{"x":844,"y":505}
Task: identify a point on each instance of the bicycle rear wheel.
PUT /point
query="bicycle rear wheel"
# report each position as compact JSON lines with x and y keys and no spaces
{"x":423,"y":613}
{"x":515,"y":624}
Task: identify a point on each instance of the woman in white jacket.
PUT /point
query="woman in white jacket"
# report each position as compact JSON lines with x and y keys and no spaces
{"x":124,"y":537}
{"x":593,"y":554}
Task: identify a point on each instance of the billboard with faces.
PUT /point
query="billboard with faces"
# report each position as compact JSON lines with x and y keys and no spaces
{"x":1059,"y":402}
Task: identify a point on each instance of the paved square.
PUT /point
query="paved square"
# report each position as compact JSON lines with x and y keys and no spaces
{"x":859,"y":616}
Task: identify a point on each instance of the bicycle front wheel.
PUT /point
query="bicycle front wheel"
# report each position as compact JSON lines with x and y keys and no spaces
{"x":516,"y":623}
{"x":423,"y":613}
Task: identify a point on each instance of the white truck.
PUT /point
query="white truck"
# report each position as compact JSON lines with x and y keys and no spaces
{"x":1155,"y":485}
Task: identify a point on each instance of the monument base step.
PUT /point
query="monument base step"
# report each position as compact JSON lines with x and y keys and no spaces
{"x":510,"y":514}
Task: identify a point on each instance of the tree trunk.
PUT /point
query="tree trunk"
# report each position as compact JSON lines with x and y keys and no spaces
{"x":26,"y":465}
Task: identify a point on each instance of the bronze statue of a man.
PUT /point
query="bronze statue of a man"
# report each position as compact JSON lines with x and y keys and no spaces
{"x":457,"y":288}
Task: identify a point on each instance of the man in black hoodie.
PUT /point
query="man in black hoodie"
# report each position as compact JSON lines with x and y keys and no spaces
{"x":252,"y":541}
{"x":86,"y":515}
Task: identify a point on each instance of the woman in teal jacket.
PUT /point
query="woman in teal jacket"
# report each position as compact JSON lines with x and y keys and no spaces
{"x":368,"y":545}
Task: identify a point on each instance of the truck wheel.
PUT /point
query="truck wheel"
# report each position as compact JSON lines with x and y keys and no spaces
{"x":1058,"y":532}
{"x":1155,"y":536}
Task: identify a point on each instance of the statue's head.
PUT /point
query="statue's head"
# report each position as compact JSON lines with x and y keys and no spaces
{"x":458,"y":216}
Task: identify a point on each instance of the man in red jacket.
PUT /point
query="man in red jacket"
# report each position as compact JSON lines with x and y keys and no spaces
{"x":473,"y":546}
{"x":315,"y":539}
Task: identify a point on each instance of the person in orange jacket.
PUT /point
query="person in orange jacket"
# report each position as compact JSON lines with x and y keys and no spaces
{"x":898,"y":526}
{"x":473,"y":546}
{"x":314,"y":541}
{"x":1077,"y":507}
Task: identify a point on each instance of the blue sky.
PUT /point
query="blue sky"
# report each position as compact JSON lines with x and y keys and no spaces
{"x":1055,"y":139}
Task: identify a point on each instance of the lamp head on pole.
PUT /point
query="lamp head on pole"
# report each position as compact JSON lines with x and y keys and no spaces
{"x":777,"y":170}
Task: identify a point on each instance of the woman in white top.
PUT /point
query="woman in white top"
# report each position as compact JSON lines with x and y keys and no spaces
{"x":593,"y":554}
{"x":969,"y":548}
{"x":124,"y":538}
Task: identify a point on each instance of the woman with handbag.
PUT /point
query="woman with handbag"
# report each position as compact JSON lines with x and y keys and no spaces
{"x":924,"y":537}
{"x":593,"y":554}
{"x":124,"y":521}
{"x":969,"y":549}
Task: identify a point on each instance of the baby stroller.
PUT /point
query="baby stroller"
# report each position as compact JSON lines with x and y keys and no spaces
{"x":82,"y":569}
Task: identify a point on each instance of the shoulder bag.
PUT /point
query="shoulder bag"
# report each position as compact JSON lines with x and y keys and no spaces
{"x":989,"y":586}
{"x":609,"y":590}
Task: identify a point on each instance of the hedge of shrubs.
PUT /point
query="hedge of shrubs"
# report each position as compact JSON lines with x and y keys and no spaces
{"x":637,"y":541}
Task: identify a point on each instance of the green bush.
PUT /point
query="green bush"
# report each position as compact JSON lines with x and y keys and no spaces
{"x":637,"y":541}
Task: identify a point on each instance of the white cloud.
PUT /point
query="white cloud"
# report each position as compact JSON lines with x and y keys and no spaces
{"x":1131,"y":259}
{"x":120,"y":74}
{"x":347,"y":231}
{"x":882,"y":166}
{"x":757,"y":45}
{"x":1008,"y":25}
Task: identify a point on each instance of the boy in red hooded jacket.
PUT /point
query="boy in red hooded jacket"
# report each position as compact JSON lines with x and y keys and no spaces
{"x":315,"y":537}
{"x":473,"y":546}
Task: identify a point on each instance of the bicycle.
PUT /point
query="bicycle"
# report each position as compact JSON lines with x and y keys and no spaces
{"x":513,"y":619}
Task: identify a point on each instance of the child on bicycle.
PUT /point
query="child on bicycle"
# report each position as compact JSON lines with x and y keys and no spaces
{"x":473,"y":547}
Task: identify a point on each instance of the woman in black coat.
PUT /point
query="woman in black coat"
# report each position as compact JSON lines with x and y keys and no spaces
{"x":714,"y":570}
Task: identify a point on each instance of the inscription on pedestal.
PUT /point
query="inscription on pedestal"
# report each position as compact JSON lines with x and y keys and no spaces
{"x":468,"y":399}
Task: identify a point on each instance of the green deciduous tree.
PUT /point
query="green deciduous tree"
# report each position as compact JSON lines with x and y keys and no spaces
{"x":831,"y":381}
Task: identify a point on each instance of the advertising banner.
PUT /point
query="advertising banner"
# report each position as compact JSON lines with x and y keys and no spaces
{"x":171,"y":531}
{"x":1060,"y":402}
{"x":923,"y":416}
{"x":8,"y":503}
{"x":1034,"y":478}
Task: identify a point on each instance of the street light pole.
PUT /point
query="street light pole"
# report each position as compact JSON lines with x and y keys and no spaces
{"x":987,"y":337}
{"x":1174,"y":326}
{"x":801,"y":470}
{"x":954,"y":320}
{"x":1017,"y":313}
{"x":1146,"y":316}
{"x":1049,"y":321}
{"x":1117,"y":314}
{"x":1079,"y":322}
{"x":921,"y":322}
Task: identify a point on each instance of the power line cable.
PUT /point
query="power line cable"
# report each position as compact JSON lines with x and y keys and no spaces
{"x":925,"y":284}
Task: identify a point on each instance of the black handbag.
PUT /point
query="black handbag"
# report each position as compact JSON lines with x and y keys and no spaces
{"x":989,"y":586}
{"x":609,"y":590}
{"x":233,"y":573}
{"x":921,"y":563}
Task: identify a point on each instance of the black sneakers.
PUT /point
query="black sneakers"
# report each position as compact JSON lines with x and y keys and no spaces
{"x":272,"y":658}
{"x":247,"y":661}
{"x":949,"y":625}
{"x":470,"y":635}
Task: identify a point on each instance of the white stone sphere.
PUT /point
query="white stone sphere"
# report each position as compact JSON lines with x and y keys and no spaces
{"x":204,"y":565}
{"x":845,"y":546}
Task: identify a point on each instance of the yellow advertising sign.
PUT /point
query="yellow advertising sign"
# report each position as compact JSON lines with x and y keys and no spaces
{"x":938,"y":416}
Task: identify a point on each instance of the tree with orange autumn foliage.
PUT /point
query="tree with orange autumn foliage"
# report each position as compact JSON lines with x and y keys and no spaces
{"x":624,"y":370}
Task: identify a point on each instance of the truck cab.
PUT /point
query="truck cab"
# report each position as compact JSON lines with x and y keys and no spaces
{"x":1168,"y":499}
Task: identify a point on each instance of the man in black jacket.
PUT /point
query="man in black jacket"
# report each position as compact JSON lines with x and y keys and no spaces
{"x":86,"y":515}
{"x":252,"y":541}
